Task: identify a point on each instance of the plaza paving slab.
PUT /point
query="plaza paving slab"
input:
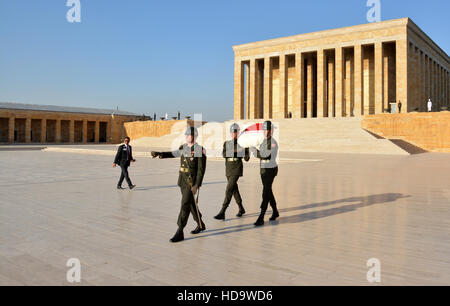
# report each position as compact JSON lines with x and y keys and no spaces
{"x":337,"y":212}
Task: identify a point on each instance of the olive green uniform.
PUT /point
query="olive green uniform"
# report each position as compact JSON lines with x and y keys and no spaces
{"x":233,"y":154}
{"x":192,"y":171}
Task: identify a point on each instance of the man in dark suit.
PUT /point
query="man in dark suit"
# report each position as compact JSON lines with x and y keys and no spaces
{"x":123,"y":158}
{"x":233,"y":154}
{"x":192,"y":170}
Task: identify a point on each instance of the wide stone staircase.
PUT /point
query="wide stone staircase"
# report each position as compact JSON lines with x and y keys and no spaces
{"x":332,"y":135}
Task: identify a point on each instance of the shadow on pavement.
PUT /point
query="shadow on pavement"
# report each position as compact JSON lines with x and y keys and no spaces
{"x":359,"y":202}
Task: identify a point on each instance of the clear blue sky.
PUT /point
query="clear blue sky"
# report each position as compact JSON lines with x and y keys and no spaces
{"x":163,"y":56}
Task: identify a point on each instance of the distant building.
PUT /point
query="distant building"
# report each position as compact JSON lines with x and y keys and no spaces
{"x":345,"y":72}
{"x":29,"y":123}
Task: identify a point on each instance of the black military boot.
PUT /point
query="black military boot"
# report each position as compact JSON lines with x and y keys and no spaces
{"x":179,"y":236}
{"x":241,"y":211}
{"x":275,"y":215}
{"x":198,"y":230}
{"x":260,"y":220}
{"x":221,"y":215}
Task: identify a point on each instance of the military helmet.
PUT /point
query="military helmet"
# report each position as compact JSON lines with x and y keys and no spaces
{"x":191,"y":130}
{"x":235,"y":128}
{"x":267,"y":126}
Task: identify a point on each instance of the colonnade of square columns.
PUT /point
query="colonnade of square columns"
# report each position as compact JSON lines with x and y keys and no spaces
{"x":345,"y":81}
{"x":429,"y":79}
{"x":33,"y":129}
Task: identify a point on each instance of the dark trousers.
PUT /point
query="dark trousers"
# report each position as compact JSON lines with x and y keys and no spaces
{"x":232,"y":190}
{"x":268,"y":197}
{"x":124,"y":175}
{"x":187,"y":207}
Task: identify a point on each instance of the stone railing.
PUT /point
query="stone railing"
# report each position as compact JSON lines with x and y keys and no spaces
{"x":429,"y":131}
{"x":139,"y":129}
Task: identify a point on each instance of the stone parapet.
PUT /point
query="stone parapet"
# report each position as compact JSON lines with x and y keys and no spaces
{"x":429,"y":131}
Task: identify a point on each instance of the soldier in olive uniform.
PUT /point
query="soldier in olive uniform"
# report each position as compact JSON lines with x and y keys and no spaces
{"x":267,"y":154}
{"x":233,"y":154}
{"x":192,"y":171}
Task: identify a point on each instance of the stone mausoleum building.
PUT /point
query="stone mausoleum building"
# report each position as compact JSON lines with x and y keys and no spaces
{"x":346,"y":72}
{"x":28,"y":123}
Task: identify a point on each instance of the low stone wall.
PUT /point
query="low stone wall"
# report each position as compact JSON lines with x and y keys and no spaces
{"x":429,"y":131}
{"x":139,"y":129}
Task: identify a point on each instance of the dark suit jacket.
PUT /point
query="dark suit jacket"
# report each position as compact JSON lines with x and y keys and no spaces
{"x":123,"y":157}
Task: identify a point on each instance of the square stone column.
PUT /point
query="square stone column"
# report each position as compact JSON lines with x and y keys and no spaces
{"x":427,"y":79}
{"x":432,"y":86}
{"x":435,"y":81}
{"x":252,"y":101}
{"x":379,"y":94}
{"x":299,"y":86}
{"x":97,"y":131}
{"x":283,"y":86}
{"x":432,"y":82}
{"x":358,"y":82}
{"x":401,"y":47}
{"x":438,"y":85}
{"x":442,"y":87}
{"x":339,"y":71}
{"x":109,"y":127}
{"x":238,"y":89}
{"x":84,"y":131}
{"x":411,"y":71}
{"x":58,"y":131}
{"x":444,"y":102}
{"x":417,"y":77}
{"x":422,"y":82}
{"x":331,"y":87}
{"x":321,"y":82}
{"x":447,"y":89}
{"x":44,"y":130}
{"x":268,"y":88}
{"x":349,"y":101}
{"x":28,"y":130}
{"x":11,"y":129}
{"x":247,"y":92}
{"x":438,"y":81}
{"x":72,"y":131}
{"x":309,"y":87}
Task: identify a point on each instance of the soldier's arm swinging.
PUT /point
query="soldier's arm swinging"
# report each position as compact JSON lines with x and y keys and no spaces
{"x":169,"y":154}
{"x":263,"y":154}
{"x":201,"y":169}
{"x":224,"y":152}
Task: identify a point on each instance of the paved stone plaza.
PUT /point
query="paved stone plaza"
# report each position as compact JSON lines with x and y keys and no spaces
{"x":337,"y":211}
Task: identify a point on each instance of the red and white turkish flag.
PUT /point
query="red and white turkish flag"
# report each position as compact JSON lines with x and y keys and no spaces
{"x":252,"y":136}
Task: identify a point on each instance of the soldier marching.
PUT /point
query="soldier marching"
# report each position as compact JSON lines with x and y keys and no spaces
{"x":190,"y":178}
{"x":267,"y":153}
{"x":192,"y":171}
{"x":233,"y":154}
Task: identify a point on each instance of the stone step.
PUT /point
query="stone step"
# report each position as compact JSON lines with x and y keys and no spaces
{"x":341,"y":135}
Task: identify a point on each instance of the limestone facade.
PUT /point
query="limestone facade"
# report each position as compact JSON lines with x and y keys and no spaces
{"x":34,"y":125}
{"x":140,"y":129}
{"x":429,"y":131}
{"x":346,"y":72}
